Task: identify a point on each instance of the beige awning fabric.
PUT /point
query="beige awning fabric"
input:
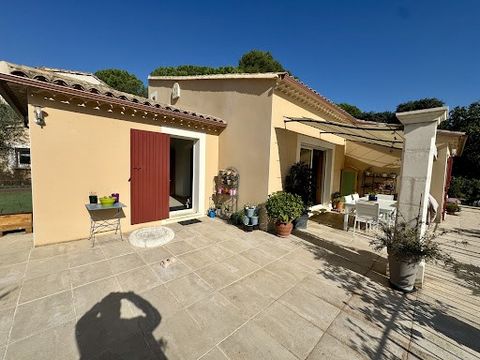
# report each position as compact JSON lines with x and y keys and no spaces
{"x":367,"y":155}
{"x":387,"y":135}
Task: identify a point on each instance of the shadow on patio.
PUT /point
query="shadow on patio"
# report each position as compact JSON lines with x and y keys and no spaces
{"x":104,"y":331}
{"x":394,"y":322}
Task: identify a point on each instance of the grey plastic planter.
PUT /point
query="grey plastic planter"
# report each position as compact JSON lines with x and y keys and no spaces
{"x":249,"y":211}
{"x":301,"y":222}
{"x":402,"y":273}
{"x":246,"y":220}
{"x":254,"y":220}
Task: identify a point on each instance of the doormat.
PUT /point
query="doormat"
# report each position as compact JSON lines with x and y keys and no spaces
{"x":189,"y":222}
{"x":151,"y":237}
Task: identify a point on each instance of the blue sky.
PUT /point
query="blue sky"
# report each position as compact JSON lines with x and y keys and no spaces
{"x":374,"y":54}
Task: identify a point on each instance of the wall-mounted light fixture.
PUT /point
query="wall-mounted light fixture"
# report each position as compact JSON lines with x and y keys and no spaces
{"x":39,"y":116}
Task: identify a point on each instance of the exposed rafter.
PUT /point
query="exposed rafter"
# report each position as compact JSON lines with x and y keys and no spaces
{"x":390,"y":135}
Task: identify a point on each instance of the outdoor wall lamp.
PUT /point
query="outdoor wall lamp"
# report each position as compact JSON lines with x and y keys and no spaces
{"x":39,"y":116}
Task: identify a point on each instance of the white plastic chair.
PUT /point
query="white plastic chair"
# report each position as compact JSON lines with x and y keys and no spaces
{"x":384,"y":197}
{"x":355,"y":197}
{"x":367,"y":213}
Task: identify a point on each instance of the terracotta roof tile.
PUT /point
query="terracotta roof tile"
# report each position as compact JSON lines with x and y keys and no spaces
{"x":89,"y":83}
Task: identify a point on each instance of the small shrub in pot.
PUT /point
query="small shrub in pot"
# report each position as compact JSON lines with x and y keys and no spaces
{"x":406,"y":249}
{"x":283,"y":208}
{"x":452,"y":208}
{"x":299,"y":181}
{"x":337,"y":201}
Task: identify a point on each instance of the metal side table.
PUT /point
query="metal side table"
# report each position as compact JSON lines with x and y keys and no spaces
{"x":100,"y":223}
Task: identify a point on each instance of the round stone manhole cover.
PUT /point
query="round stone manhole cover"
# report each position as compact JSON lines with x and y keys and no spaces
{"x":151,"y":237}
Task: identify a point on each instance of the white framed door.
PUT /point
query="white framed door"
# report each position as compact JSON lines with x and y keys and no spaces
{"x":197,"y":205}
{"x":309,"y":150}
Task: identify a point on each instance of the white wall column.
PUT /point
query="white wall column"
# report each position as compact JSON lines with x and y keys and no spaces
{"x":420,"y":130}
{"x":439,"y":178}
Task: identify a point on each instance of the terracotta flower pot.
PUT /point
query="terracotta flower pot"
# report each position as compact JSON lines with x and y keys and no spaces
{"x":282,"y":229}
{"x":339,"y":206}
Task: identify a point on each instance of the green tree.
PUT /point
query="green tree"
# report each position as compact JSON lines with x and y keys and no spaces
{"x":467,"y":189}
{"x":255,"y":61}
{"x":351,"y":109}
{"x":425,"y":103}
{"x":389,"y":117}
{"x":381,"y":117}
{"x":466,"y":119}
{"x":122,"y":80}
{"x":12,"y":131}
{"x":11,"y":128}
{"x":185,"y":70}
{"x":258,"y":61}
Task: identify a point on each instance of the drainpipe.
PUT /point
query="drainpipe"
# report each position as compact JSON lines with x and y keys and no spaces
{"x":420,"y":131}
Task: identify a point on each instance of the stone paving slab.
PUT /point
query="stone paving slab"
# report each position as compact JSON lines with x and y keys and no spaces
{"x":320,"y":294}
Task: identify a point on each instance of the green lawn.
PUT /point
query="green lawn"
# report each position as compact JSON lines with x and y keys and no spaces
{"x":16,"y":201}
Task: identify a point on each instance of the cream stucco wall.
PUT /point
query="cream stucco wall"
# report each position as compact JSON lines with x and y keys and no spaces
{"x":80,"y":151}
{"x":439,"y":177}
{"x":246,"y":106}
{"x":256,"y":140}
{"x":285,"y":139}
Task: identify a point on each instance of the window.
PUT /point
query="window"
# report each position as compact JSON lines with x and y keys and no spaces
{"x":23,"y":157}
{"x":306,"y":156}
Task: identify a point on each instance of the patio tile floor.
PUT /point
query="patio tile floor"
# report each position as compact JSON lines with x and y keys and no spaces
{"x":320,"y":294}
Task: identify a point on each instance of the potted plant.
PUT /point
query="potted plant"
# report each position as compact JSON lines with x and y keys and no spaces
{"x":452,"y":208}
{"x":337,"y":201}
{"x":299,"y":181}
{"x":254,"y":218}
{"x":237,"y":217}
{"x":250,"y":210}
{"x":211,"y":213}
{"x":406,"y":248}
{"x":283,"y":208}
{"x":229,"y":178}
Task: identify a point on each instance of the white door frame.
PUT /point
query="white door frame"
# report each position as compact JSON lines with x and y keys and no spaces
{"x":328,"y":148}
{"x":198,"y":181}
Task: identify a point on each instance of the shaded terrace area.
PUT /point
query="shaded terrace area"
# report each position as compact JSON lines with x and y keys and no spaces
{"x":234,"y":295}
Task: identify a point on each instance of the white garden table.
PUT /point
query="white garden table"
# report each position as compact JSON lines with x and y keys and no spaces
{"x":105,"y":218}
{"x":386,"y":207}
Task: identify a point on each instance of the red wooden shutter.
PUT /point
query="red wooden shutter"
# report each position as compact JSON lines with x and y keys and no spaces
{"x":149,"y":175}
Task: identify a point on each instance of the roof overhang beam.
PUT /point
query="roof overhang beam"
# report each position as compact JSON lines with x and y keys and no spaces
{"x":389,"y":135}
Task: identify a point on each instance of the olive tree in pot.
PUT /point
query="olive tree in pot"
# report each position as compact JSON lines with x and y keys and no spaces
{"x":283,"y":208}
{"x":406,"y":248}
{"x":299,"y":181}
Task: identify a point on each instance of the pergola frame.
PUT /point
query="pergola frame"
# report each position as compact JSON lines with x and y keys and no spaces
{"x":390,"y":135}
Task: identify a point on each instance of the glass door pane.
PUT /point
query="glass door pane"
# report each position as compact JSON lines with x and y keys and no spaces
{"x":306,"y":156}
{"x":181,"y":174}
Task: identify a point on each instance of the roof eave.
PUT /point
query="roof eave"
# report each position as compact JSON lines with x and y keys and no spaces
{"x":40,"y":85}
{"x":461,"y":138}
{"x":327,"y":106}
{"x":273,"y":75}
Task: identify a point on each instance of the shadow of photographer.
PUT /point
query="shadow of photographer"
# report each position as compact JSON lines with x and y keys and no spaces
{"x":102,"y":331}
